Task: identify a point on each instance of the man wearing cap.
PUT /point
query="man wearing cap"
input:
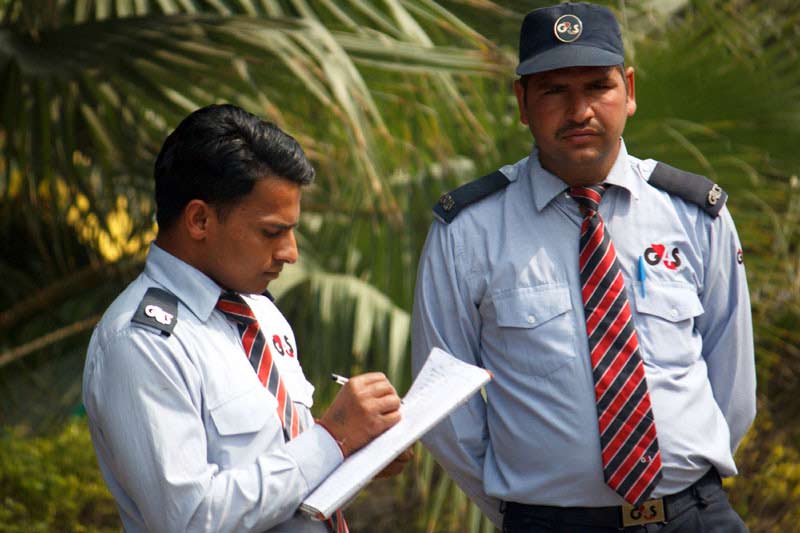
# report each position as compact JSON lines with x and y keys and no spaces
{"x":606,"y":294}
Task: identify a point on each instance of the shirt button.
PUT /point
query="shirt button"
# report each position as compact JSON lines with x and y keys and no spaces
{"x":531,"y":319}
{"x":674,"y":312}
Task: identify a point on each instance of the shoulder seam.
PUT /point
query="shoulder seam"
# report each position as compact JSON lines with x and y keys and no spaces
{"x":158,"y":309}
{"x":690,"y":187}
{"x":452,"y":203}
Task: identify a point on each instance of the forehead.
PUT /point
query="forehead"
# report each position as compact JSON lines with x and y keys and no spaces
{"x":272,"y":197}
{"x":573,"y":74}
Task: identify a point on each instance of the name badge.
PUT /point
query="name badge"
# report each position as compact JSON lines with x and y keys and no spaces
{"x":648,"y":512}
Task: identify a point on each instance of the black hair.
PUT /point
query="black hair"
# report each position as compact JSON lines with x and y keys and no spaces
{"x":216,"y":154}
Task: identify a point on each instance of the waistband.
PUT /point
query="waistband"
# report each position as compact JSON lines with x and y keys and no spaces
{"x":611,"y":517}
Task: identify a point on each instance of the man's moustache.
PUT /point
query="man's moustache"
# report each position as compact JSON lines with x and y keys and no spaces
{"x":571,"y":127}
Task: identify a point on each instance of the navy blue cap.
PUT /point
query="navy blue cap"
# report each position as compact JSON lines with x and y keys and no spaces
{"x":569,"y":35}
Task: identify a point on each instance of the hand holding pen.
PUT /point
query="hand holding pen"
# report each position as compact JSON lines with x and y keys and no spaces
{"x":399,"y":463}
{"x":366,"y":406}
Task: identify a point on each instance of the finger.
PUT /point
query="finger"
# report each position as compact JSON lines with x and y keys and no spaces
{"x":375,"y":391}
{"x":380,"y":390}
{"x":369,"y":378}
{"x":401,"y":461}
{"x":406,"y":455}
{"x":384,"y":405}
{"x":391,"y":418}
{"x":392,"y":469}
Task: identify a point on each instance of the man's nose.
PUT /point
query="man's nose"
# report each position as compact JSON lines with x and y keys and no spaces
{"x":286,"y":251}
{"x":579,"y":108}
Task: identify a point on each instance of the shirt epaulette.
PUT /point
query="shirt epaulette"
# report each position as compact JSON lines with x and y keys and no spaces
{"x":693,"y":188}
{"x":158,"y":309}
{"x":451,"y":203}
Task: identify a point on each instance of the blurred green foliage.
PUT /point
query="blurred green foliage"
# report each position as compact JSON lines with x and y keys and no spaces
{"x":52,"y":483}
{"x":767,"y":493}
{"x":82,"y":113}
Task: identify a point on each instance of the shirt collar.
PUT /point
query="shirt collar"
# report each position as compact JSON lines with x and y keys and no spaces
{"x":198,"y":292}
{"x":622,"y":173}
{"x":546,"y":186}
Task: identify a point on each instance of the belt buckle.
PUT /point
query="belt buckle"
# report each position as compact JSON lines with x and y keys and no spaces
{"x":647,"y":512}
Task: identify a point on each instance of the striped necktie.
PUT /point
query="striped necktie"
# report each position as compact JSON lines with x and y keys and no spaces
{"x":255,"y":346}
{"x":629,"y":446}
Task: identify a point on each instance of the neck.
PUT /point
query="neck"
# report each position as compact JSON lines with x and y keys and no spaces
{"x":580,"y":174}
{"x":171,"y":243}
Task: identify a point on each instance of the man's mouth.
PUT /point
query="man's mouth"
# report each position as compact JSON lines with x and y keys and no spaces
{"x":579,"y":134}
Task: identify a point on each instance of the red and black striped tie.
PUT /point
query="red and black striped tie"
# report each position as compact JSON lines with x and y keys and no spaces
{"x":255,"y":346}
{"x":631,"y":457}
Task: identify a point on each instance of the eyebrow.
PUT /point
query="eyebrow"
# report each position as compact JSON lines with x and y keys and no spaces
{"x":547,"y":81}
{"x":280,"y":225}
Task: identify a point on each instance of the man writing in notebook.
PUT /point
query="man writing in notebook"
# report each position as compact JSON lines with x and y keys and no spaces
{"x":607,"y":295}
{"x":198,"y":407}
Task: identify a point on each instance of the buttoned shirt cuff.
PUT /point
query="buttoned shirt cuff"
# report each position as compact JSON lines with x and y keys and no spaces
{"x":315,"y":453}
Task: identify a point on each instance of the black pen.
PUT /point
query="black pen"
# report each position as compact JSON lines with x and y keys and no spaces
{"x":341,"y":380}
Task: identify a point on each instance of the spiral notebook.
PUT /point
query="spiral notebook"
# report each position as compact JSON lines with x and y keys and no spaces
{"x":442,"y":384}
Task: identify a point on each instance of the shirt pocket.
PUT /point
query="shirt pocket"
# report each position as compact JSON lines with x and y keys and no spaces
{"x":664,"y":319}
{"x":244,"y":414}
{"x":537,"y":328}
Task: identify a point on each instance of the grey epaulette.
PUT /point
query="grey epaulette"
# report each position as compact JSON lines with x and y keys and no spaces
{"x":693,"y":188}
{"x":451,"y":203}
{"x":158,"y":309}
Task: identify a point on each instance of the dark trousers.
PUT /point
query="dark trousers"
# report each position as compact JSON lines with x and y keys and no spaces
{"x":702,"y":508}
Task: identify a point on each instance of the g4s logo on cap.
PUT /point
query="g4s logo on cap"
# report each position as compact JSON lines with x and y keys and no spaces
{"x":568,"y":28}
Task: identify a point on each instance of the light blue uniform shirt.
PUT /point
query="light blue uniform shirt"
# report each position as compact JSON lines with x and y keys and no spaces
{"x":186,"y":436}
{"x":499,"y":287}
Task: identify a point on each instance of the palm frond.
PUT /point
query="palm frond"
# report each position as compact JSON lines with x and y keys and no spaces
{"x":328,"y":308}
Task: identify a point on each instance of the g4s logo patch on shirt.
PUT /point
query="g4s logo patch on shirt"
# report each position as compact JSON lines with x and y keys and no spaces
{"x":659,"y":255}
{"x":279,"y":345}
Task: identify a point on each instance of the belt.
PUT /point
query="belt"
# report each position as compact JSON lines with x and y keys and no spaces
{"x":620,"y":517}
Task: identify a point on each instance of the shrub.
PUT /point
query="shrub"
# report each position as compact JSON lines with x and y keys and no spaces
{"x":53,"y":484}
{"x":767,"y":491}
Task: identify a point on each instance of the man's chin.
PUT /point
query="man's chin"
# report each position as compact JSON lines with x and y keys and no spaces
{"x":584,"y":169}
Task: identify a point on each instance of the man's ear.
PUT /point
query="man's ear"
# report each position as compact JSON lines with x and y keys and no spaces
{"x":197,"y":217}
{"x":630,"y":86}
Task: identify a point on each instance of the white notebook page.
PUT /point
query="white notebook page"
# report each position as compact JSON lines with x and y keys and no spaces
{"x":443,"y":384}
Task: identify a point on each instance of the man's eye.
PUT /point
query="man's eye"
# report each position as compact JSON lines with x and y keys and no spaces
{"x":270,"y":233}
